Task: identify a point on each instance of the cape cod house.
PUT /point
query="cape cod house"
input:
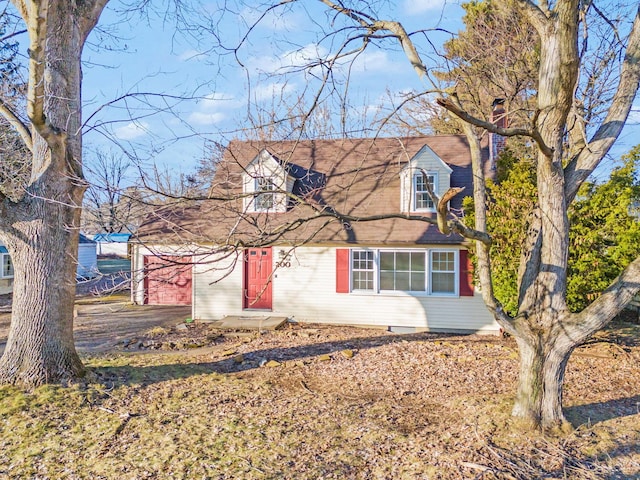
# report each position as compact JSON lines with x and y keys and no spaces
{"x":320,"y":231}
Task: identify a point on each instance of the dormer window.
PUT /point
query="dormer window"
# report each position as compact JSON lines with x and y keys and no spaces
{"x":264,"y":200}
{"x":266,"y":185}
{"x":421,"y":199}
{"x":424,"y":169}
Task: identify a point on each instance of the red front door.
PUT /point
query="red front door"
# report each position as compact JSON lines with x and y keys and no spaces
{"x":258,"y":281}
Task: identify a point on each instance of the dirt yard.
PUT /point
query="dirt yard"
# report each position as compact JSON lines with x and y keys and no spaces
{"x":104,"y":323}
{"x":180,"y":399}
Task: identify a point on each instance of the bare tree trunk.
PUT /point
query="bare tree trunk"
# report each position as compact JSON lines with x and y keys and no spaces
{"x":543,"y":361}
{"x":41,"y":229}
{"x":40,"y":347}
{"x":41,"y":234}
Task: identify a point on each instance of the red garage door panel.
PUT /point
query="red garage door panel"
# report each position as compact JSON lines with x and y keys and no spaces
{"x":168,"y":280}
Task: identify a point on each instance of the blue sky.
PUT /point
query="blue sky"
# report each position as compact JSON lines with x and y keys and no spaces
{"x":151,"y":58}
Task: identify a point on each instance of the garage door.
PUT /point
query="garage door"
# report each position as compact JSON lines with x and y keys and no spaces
{"x":167,"y":280}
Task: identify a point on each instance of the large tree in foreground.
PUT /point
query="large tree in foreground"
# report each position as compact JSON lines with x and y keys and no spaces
{"x":40,"y":228}
{"x":569,"y":144}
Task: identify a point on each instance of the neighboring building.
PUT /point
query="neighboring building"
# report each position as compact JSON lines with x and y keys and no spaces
{"x":114,"y":244}
{"x":87,"y":258}
{"x":297,"y":258}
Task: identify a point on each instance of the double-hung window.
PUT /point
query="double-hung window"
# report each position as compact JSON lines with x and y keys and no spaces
{"x":421,"y":198}
{"x":7,"y":266}
{"x":362,"y":270}
{"x":443,"y":272}
{"x":264,"y":199}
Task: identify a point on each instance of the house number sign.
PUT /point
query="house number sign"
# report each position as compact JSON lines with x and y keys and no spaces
{"x":285,"y":260}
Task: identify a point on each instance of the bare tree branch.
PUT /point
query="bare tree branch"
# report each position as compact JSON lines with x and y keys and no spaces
{"x":91,"y":15}
{"x":607,"y":305}
{"x":17,"y":123}
{"x":580,"y":167}
{"x":538,"y":15}
{"x":11,"y":35}
{"x":505,"y":132}
{"x":21,"y":6}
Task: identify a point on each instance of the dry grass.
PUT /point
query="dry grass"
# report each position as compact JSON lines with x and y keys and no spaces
{"x":402,"y":407}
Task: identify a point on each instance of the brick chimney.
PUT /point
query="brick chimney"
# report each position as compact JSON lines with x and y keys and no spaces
{"x":497,"y":142}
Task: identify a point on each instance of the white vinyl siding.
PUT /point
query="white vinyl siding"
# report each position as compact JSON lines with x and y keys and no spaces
{"x":305,"y":291}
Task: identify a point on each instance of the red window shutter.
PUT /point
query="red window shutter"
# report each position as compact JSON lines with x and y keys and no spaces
{"x":466,"y":274}
{"x":342,"y":270}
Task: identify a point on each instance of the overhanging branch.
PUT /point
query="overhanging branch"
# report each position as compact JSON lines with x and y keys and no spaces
{"x":505,"y":132}
{"x":17,"y":123}
{"x":580,"y":167}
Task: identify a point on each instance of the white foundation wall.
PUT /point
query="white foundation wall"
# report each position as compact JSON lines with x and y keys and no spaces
{"x":305,"y":291}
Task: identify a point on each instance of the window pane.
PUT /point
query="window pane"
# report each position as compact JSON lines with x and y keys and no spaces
{"x":443,"y":272}
{"x":443,"y":283}
{"x":417,"y":262}
{"x":363,"y":280}
{"x":417,"y":281}
{"x":386,"y":281}
{"x":422,"y":198}
{"x":387,"y":260}
{"x":443,"y":261}
{"x":402,"y":271}
{"x":402,"y":281}
{"x":402,"y":261}
{"x":7,"y":266}
{"x":362,"y":272}
{"x":264,"y":201}
{"x":264,"y":184}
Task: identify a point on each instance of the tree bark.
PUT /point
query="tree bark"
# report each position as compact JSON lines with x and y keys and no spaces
{"x":543,"y":362}
{"x":40,"y":347}
{"x":41,"y":229}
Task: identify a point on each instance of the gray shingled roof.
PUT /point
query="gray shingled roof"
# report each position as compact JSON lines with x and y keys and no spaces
{"x":357,"y":177}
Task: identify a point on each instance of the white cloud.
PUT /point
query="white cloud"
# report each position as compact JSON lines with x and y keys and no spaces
{"x":288,"y":61}
{"x":131,"y":130}
{"x":372,"y":61}
{"x":273,"y":20}
{"x":210,"y":109}
{"x":270,"y":91}
{"x":206,"y":118}
{"x":416,"y":7}
{"x":217,"y":100}
{"x":191,"y":55}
